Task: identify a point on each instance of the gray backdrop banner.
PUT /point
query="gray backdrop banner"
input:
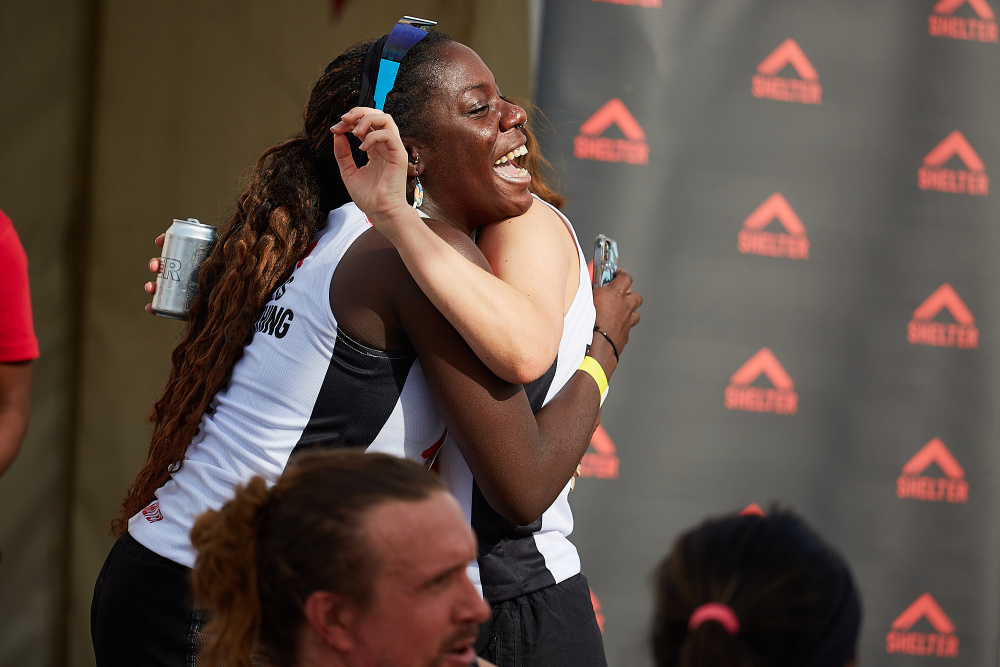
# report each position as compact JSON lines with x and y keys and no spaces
{"x":802,"y":192}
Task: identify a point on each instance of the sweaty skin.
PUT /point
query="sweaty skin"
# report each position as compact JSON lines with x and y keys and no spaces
{"x":513,"y":318}
{"x":521,"y":462}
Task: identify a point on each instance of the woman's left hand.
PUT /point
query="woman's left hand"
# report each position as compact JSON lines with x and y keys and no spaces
{"x":379,"y":187}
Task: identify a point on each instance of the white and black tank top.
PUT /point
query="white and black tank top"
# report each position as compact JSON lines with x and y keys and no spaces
{"x":515,"y":560}
{"x":301,"y":383}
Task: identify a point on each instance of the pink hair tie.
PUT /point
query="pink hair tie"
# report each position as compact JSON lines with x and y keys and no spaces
{"x":715,"y":611}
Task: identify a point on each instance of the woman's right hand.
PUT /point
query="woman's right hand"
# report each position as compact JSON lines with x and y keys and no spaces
{"x":379,"y":187}
{"x":617,"y":312}
{"x":154,"y":267}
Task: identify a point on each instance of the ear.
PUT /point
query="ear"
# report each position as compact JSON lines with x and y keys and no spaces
{"x":414,"y":166}
{"x":332,"y":617}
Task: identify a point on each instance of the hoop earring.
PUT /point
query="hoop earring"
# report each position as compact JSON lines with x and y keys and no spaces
{"x":418,"y":194}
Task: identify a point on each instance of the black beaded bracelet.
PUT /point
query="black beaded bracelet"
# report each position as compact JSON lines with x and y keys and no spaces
{"x":614,"y":347}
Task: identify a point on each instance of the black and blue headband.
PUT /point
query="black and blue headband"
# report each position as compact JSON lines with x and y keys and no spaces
{"x":378,"y":74}
{"x":384,"y":55}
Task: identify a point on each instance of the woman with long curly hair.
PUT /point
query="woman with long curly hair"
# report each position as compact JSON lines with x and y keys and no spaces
{"x":309,"y":331}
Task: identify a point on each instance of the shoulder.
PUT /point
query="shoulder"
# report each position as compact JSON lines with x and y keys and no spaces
{"x":383,"y":265}
{"x":538,"y":233}
{"x":459,"y":241}
{"x":540,"y":217}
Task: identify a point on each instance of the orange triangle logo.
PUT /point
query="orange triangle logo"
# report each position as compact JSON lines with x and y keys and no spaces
{"x":775,"y":206}
{"x":981,"y":7}
{"x":944,"y":297}
{"x":753,"y":509}
{"x":763,"y":362}
{"x":614,"y":112}
{"x":934,"y":452}
{"x":927,"y":607}
{"x":597,"y":610}
{"x":603,"y":462}
{"x":602,"y":442}
{"x":954,"y":144}
{"x":788,"y":53}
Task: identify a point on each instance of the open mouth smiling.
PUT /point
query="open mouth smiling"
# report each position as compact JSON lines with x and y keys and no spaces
{"x":506,"y":166}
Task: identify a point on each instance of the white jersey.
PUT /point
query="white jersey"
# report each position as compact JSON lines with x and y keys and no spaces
{"x":516,"y":560}
{"x":301,"y":383}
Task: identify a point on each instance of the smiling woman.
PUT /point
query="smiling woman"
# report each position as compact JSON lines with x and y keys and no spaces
{"x":370,"y":363}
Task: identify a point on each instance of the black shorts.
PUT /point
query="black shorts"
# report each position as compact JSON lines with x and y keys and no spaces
{"x":142,"y":612}
{"x":553,"y":627}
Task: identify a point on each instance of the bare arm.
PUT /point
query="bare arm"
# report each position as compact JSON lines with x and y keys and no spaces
{"x":512,"y":320}
{"x":520,"y":461}
{"x":15,"y":405}
{"x":513,"y":328}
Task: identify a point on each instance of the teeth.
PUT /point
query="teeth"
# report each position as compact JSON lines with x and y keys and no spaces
{"x":517,"y":152}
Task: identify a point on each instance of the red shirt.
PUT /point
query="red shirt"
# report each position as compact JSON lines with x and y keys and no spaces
{"x":17,"y":336}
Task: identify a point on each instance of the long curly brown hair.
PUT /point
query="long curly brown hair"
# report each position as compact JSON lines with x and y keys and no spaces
{"x":291,"y":189}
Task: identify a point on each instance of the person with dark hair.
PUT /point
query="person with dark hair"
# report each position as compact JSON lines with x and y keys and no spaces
{"x":754,"y":591}
{"x":309,"y":331}
{"x":350,"y":559}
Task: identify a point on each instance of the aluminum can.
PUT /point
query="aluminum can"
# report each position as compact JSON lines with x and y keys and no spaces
{"x":185,"y":247}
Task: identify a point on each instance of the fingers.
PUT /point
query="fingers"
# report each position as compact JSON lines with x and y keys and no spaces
{"x":345,"y":159}
{"x":154,"y":267}
{"x":158,"y":241}
{"x":361,"y":120}
{"x":359,"y":112}
{"x":389,"y":137}
{"x":376,"y":129}
{"x":636,"y":299}
{"x":622,"y":280}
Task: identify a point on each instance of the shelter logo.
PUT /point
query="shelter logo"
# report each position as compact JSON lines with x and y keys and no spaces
{"x":970,"y":181}
{"x":589,"y":145}
{"x":767,"y":84}
{"x":941,"y":644}
{"x":952,"y":488}
{"x":597,"y":610}
{"x":982,"y":28}
{"x":755,"y":240}
{"x":603,"y":461}
{"x":962,"y":333}
{"x":635,"y":3}
{"x":780,"y":399}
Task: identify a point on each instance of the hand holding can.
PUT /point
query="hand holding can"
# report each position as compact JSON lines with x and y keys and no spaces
{"x":185,"y":247}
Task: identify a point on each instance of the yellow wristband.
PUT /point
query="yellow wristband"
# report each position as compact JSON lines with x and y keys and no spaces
{"x":593,"y":368}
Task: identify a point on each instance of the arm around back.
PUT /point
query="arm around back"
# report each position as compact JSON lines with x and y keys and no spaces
{"x":521,"y":464}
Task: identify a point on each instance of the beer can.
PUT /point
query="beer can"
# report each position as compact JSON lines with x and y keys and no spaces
{"x":185,"y":247}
